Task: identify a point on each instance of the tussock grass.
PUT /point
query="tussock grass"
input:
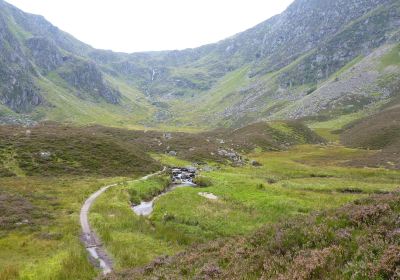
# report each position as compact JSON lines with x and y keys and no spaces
{"x":147,"y":189}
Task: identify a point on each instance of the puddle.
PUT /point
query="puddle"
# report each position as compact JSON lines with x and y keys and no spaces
{"x":103,"y":265}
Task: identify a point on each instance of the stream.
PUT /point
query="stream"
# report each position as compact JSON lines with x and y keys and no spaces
{"x":181,"y":177}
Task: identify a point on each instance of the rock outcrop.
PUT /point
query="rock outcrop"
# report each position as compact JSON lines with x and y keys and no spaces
{"x":86,"y":78}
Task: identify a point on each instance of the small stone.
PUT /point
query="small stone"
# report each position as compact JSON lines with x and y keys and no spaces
{"x":255,"y":163}
{"x":45,"y":154}
{"x":172,"y":153}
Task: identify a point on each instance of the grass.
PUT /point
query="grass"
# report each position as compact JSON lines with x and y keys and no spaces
{"x":171,"y":160}
{"x":39,"y":224}
{"x":327,"y":129}
{"x":215,"y":100}
{"x":67,"y":107}
{"x":291,"y":183}
{"x":146,"y":190}
{"x":391,"y":58}
{"x":130,"y":239}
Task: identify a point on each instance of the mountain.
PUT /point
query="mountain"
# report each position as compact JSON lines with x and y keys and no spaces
{"x":318,"y":60}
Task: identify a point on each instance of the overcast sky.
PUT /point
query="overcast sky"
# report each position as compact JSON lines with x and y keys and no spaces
{"x":146,"y":25}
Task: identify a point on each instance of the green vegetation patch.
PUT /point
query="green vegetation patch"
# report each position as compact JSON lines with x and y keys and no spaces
{"x":145,"y":190}
{"x":391,"y":58}
{"x":132,"y":240}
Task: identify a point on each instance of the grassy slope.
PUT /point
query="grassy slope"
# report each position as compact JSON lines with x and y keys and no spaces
{"x":198,"y":110}
{"x":380,"y":132}
{"x":226,"y":93}
{"x":202,"y":111}
{"x":331,"y":128}
{"x":291,"y":183}
{"x":67,"y":107}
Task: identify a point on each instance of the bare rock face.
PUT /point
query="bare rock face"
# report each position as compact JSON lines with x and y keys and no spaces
{"x":22,"y":95}
{"x":360,"y":38}
{"x":45,"y":54}
{"x":88,"y":79}
{"x":17,"y":88}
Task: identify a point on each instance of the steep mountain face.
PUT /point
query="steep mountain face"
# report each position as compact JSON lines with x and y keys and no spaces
{"x":274,"y":44}
{"x":86,"y":77}
{"x":45,"y":54}
{"x":305,"y":54}
{"x":32,"y":48}
{"x":17,"y":88}
{"x":318,"y":58}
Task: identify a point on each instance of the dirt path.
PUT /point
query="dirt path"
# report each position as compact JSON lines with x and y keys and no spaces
{"x":91,"y":241}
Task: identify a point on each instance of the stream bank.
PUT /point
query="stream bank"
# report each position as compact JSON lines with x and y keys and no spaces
{"x":181,"y":177}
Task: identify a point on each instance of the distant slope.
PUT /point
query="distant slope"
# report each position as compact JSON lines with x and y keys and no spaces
{"x":52,"y":149}
{"x":358,"y":239}
{"x":377,"y":132}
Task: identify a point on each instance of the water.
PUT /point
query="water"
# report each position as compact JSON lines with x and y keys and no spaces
{"x":103,"y":265}
{"x":146,"y":207}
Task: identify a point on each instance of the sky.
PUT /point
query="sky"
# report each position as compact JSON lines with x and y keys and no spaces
{"x":150,"y":25}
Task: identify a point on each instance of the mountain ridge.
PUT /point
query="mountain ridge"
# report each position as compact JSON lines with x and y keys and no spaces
{"x":280,"y":66}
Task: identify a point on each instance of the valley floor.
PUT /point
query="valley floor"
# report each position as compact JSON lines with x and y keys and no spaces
{"x":40,"y":233}
{"x":292,"y":183}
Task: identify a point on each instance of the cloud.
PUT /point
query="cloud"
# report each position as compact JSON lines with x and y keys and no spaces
{"x":139,"y":25}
